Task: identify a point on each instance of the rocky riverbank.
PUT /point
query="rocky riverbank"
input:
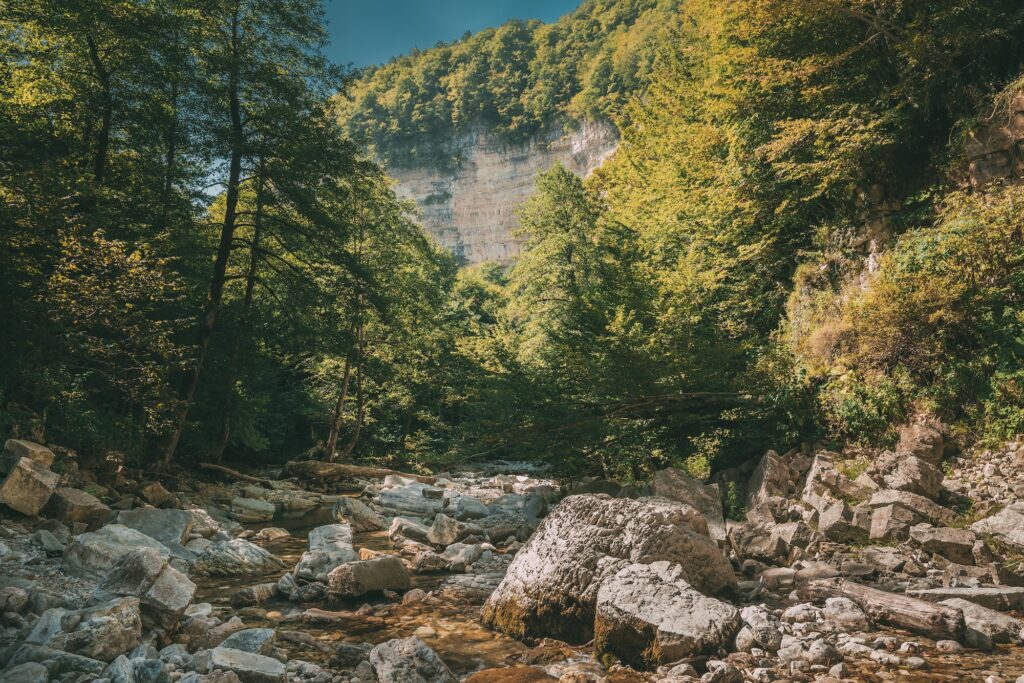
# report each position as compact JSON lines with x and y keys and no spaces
{"x":856,"y":566}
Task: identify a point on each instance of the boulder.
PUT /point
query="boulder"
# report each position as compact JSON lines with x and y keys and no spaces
{"x":408,"y":660}
{"x":1007,"y":526}
{"x":924,"y":508}
{"x":258,"y":641}
{"x":446,"y":531}
{"x":358,"y":578}
{"x":551,"y":586}
{"x":770,"y":479}
{"x":916,"y":476}
{"x":986,"y":626}
{"x":254,"y":595}
{"x":459,"y":556}
{"x":402,"y":527}
{"x":358,"y":515}
{"x":74,"y":506}
{"x":93,"y":554}
{"x":412,"y":498}
{"x":164,"y":593}
{"x":892,"y":523}
{"x":101,"y":632}
{"x":1001,"y":598}
{"x":826,"y":483}
{"x":921,"y":440}
{"x":28,"y":487}
{"x":16,"y":449}
{"x":75,"y":667}
{"x":155,"y":494}
{"x":837,"y":523}
{"x":249,"y":667}
{"x":648,"y":615}
{"x":29,"y":672}
{"x":956,"y":545}
{"x":675,"y":485}
{"x":428,"y":562}
{"x":465,"y":508}
{"x":166,"y":526}
{"x":236,"y":557}
{"x":250,"y":510}
{"x":764,"y":628}
{"x":329,"y":546}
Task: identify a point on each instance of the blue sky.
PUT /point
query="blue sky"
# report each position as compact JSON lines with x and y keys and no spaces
{"x":372,"y":31}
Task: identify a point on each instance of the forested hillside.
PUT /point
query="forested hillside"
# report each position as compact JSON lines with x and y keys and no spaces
{"x":790,"y":244}
{"x":514,"y":81}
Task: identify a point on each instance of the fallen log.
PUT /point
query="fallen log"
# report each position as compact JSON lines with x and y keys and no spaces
{"x":234,"y":473}
{"x":316,"y":469}
{"x":936,"y":621}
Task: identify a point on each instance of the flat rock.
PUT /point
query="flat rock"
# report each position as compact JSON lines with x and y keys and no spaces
{"x":354,"y":579}
{"x":1000,"y":598}
{"x":408,"y":528}
{"x":675,"y":485}
{"x":551,"y":586}
{"x":986,"y":626}
{"x":166,"y":526}
{"x":93,"y":554}
{"x":236,"y":557}
{"x":249,"y":510}
{"x":411,"y":497}
{"x":956,"y":545}
{"x":258,"y":641}
{"x":28,"y":487}
{"x":249,"y":667}
{"x":1007,"y":525}
{"x":329,"y":546}
{"x":408,"y":660}
{"x":648,"y":615}
{"x":446,"y":530}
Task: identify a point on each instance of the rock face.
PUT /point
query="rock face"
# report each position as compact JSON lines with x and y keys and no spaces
{"x":551,"y":586}
{"x":408,"y":660}
{"x":648,"y":615}
{"x":471,"y":211}
{"x":706,"y":498}
{"x":28,"y":487}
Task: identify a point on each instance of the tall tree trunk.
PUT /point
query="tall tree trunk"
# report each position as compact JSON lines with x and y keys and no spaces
{"x":220,"y":264}
{"x":339,"y":409}
{"x":99,"y":168}
{"x":170,"y":160}
{"x":243,"y":323}
{"x":360,"y":397}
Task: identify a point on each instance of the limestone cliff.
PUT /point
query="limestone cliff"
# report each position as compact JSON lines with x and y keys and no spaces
{"x":471,"y":211}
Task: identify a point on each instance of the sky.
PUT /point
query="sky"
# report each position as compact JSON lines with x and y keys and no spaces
{"x":367,"y":32}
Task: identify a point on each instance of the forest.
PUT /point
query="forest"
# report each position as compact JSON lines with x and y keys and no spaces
{"x":203,"y":259}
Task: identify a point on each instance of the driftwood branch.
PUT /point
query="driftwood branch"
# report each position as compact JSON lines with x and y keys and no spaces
{"x":318,"y":470}
{"x":234,"y":473}
{"x":937,"y":621}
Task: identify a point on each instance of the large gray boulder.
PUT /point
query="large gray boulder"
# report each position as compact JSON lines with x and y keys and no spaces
{"x":465,"y":508}
{"x":93,"y":554}
{"x":446,"y":531}
{"x":329,"y":546}
{"x":28,"y":487}
{"x":956,"y":545}
{"x":986,"y":626}
{"x":648,"y":615}
{"x":73,"y":506}
{"x":166,"y":526}
{"x":236,"y":557}
{"x":826,"y":483}
{"x":354,"y":579}
{"x":259,"y":641}
{"x":410,"y":497}
{"x":925,"y":508}
{"x":1007,"y":526}
{"x":675,"y":485}
{"x":551,"y":586}
{"x":164,"y":593}
{"x":64,"y":663}
{"x":916,"y":476}
{"x":408,"y":660}
{"x":249,"y":667}
{"x":358,"y":515}
{"x":249,"y":510}
{"x":101,"y":632}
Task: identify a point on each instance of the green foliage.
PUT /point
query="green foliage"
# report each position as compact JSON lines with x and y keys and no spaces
{"x":515,"y":81}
